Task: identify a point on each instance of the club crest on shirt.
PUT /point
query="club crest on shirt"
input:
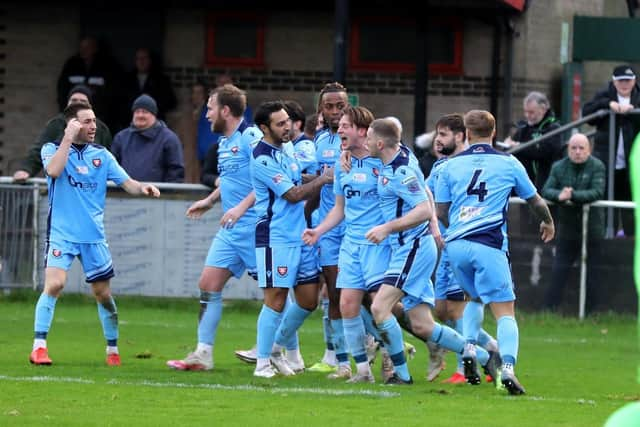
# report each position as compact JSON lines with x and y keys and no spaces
{"x":277,"y":179}
{"x":385,"y":180}
{"x":359,"y":177}
{"x":235,"y":149}
{"x":294,"y":167}
{"x":376,"y":172}
{"x":283,"y":270}
{"x":97,"y":162}
{"x":56,"y":253}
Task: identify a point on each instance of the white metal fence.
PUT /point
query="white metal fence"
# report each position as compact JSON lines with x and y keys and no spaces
{"x":157,"y":251}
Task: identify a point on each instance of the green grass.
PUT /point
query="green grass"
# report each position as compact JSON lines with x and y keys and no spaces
{"x":576,"y":374}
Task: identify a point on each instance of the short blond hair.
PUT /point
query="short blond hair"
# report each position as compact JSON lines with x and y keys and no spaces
{"x":387,"y":131}
{"x":480,"y":123}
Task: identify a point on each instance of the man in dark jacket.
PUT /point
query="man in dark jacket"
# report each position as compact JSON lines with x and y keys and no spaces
{"x":620,"y":96}
{"x":574,"y":181}
{"x":54,"y":131}
{"x":148,"y":150}
{"x":539,"y":119}
{"x":147,"y":77}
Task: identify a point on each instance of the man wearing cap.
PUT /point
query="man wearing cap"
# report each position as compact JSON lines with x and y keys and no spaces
{"x":620,"y":96}
{"x":54,"y":131}
{"x":148,"y":150}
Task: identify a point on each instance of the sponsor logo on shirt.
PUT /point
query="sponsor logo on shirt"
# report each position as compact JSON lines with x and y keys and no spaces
{"x":467,"y":213}
{"x":96,"y":163}
{"x":283,"y":270}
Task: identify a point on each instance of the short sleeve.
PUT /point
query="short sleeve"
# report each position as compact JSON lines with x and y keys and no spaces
{"x":409,"y":187}
{"x":46,"y":153}
{"x":115,"y":172}
{"x":305,"y":152}
{"x":271,"y":174}
{"x":442,"y":193}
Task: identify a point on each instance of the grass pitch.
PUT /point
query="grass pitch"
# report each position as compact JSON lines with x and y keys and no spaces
{"x":576,"y":374}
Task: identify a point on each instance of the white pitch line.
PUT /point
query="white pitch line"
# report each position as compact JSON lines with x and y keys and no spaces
{"x":245,"y":387}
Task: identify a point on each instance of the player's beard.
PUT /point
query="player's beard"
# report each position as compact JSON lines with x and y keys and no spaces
{"x":218,"y":125}
{"x":447,"y":149}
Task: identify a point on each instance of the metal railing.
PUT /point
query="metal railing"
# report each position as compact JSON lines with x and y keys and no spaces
{"x":611,"y":158}
{"x":20,"y":226}
{"x":586,"y":208}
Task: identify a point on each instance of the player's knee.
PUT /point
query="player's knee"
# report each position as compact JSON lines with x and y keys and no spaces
{"x":53,"y":286}
{"x":379,"y":312}
{"x":422,"y":329}
{"x":349,"y":308}
{"x":441,"y":311}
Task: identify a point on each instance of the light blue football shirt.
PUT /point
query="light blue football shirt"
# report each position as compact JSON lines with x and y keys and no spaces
{"x":478,"y":182}
{"x":359,"y":188}
{"x":77,"y":197}
{"x":234,"y":159}
{"x":274,"y":172}
{"x":327,"y":154}
{"x":305,"y":153}
{"x":401,"y":188}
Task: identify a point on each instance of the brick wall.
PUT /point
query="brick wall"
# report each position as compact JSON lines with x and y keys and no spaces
{"x":35,"y":46}
{"x":34,"y":42}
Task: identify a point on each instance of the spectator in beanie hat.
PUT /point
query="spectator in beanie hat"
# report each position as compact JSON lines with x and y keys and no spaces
{"x":148,"y":150}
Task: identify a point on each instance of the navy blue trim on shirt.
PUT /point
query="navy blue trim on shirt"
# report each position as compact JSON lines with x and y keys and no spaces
{"x":401,"y":159}
{"x":483,"y":148}
{"x":492,"y":237}
{"x":263,"y":149}
{"x":243,"y":125}
{"x":399,"y":204}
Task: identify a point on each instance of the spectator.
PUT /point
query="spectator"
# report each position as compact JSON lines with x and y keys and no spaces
{"x":147,"y":77}
{"x":311,"y":126}
{"x":54,"y":131}
{"x":574,"y":181}
{"x":621,"y":95}
{"x":148,"y":150}
{"x":539,"y":119}
{"x":426,"y":152}
{"x":97,"y":70}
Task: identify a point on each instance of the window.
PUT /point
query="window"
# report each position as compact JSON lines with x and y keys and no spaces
{"x":235,"y":39}
{"x":389,"y":44}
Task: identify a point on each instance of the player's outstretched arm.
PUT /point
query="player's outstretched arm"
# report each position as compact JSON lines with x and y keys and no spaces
{"x":541,"y":210}
{"x":420,"y":214}
{"x":433,"y":221}
{"x":306,"y":191}
{"x":137,"y":188}
{"x":198,"y":208}
{"x":311,"y":235}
